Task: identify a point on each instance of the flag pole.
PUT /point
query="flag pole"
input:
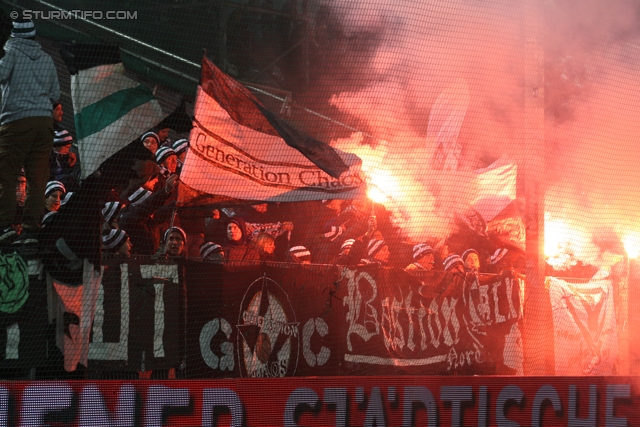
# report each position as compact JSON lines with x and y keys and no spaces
{"x":173,"y":216}
{"x":175,"y":206}
{"x":623,"y":318}
{"x":538,"y":326}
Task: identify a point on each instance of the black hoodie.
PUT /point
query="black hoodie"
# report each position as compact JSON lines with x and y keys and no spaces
{"x":238,"y":250}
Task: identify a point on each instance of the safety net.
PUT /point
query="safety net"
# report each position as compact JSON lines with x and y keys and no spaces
{"x":311,"y":188}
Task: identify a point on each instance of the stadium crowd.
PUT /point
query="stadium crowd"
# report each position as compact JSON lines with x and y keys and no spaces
{"x":142,"y":218}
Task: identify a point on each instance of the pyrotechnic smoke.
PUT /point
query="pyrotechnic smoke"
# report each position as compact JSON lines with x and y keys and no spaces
{"x":417,"y":50}
{"x":592,"y":128}
{"x":425,"y":52}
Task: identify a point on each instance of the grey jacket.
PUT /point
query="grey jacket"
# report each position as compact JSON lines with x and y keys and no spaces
{"x":29,"y":81}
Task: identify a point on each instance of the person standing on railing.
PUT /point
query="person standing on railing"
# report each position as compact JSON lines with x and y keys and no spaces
{"x":30,"y":86}
{"x":21,"y":195}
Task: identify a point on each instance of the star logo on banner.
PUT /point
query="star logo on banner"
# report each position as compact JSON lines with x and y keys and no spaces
{"x":267,"y":337}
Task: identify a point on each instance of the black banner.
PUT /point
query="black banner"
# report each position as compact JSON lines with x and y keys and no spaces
{"x":287,"y":320}
{"x":248,"y":323}
{"x":23,"y":334}
{"x":137,"y":321}
{"x":312,"y":320}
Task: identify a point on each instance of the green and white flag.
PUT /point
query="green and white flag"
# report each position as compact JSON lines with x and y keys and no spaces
{"x":110,"y":108}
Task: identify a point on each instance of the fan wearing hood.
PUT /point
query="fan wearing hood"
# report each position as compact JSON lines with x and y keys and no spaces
{"x":29,"y":84}
{"x":235,"y":245}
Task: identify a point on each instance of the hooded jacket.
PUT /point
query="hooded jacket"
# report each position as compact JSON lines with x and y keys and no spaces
{"x":29,"y":81}
{"x":238,"y":250}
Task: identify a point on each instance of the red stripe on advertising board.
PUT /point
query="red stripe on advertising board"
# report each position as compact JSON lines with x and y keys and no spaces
{"x":390,"y":401}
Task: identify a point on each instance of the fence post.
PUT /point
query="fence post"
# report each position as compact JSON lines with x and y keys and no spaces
{"x":538,"y":327}
{"x":623,"y":318}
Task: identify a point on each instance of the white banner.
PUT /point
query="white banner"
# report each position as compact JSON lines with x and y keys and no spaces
{"x":230,"y":159}
{"x":584,"y":324}
{"x":496,"y":188}
{"x":81,"y":301}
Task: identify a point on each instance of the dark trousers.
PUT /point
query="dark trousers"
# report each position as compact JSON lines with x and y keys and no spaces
{"x":25,"y":142}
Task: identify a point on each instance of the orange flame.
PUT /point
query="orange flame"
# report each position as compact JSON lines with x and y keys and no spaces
{"x":383,"y":186}
{"x":631,"y":242}
{"x":566,"y":242}
{"x":556,"y":237}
